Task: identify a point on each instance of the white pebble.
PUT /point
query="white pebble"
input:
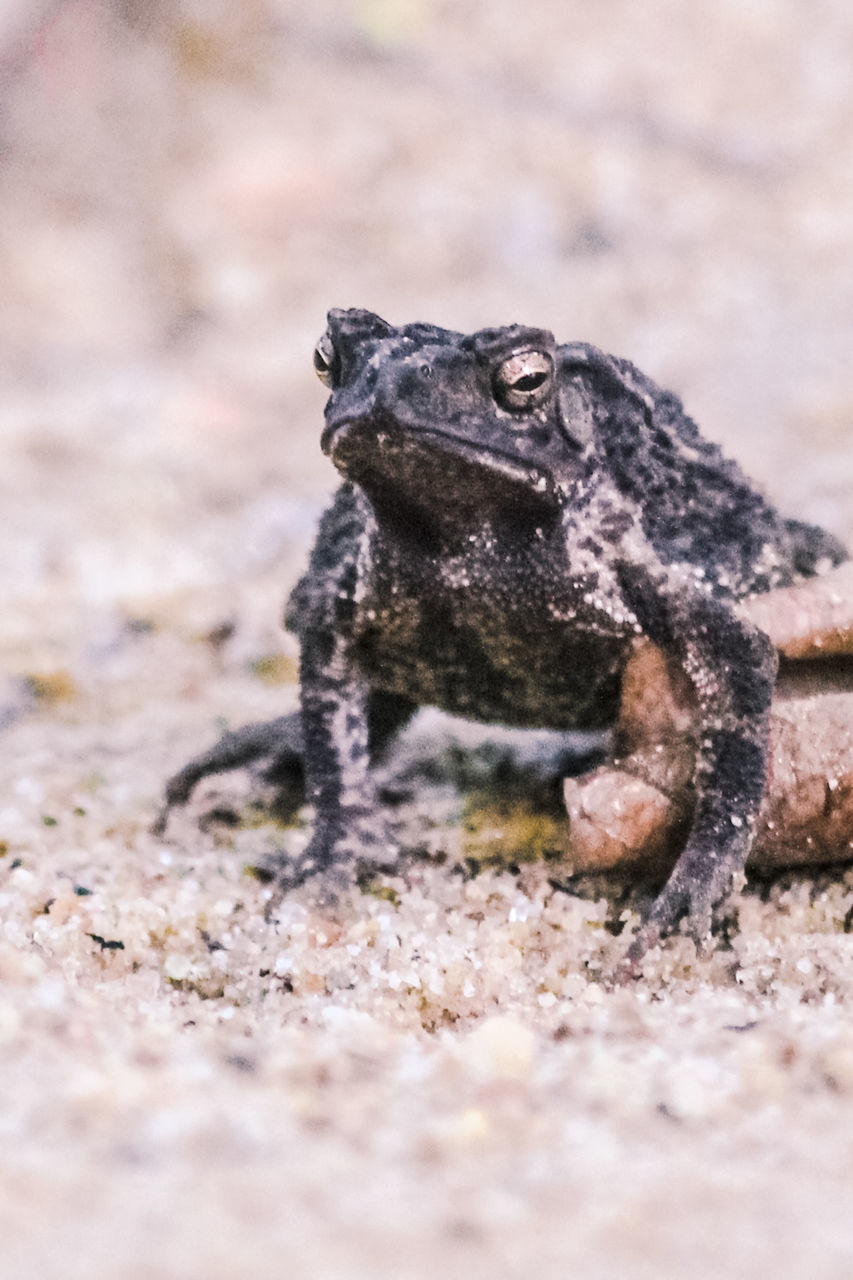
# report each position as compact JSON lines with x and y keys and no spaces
{"x":177,"y":968}
{"x":501,"y":1047}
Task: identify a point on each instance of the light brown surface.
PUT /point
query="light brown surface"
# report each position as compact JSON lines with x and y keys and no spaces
{"x":634,"y":811}
{"x":811,"y":620}
{"x":449,"y":1087}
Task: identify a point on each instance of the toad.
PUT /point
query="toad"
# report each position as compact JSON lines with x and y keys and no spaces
{"x":515,"y":518}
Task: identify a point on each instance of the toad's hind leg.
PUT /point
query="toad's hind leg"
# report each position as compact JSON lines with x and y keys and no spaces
{"x":279,"y":745}
{"x":278,"y":742}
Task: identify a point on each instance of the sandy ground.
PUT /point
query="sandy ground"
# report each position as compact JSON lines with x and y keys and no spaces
{"x":433,"y":1076}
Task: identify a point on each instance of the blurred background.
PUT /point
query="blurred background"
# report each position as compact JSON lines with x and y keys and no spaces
{"x":187,"y":187}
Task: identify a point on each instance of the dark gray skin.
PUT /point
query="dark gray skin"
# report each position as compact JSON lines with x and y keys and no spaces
{"x":514,"y":516}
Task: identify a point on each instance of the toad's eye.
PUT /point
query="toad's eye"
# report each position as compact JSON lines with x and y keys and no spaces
{"x":524,"y":380}
{"x":324,"y":360}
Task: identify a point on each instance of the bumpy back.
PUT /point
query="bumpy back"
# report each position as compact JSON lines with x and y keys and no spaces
{"x":697,"y":505}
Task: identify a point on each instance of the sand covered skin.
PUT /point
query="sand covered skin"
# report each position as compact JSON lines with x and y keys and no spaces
{"x":435,"y":1076}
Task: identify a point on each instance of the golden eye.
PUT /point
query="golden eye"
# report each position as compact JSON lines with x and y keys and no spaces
{"x":324,"y":360}
{"x":524,"y":380}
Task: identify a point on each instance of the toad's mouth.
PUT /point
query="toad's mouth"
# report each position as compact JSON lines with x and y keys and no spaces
{"x":361,"y":447}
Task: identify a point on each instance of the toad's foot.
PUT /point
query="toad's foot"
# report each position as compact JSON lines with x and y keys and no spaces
{"x":359,"y":848}
{"x":278,"y":742}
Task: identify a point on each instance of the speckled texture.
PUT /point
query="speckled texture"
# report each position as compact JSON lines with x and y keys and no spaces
{"x":186,"y":191}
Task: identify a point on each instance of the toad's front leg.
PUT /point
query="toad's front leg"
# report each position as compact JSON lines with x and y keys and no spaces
{"x":731,"y":666}
{"x":349,"y":828}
